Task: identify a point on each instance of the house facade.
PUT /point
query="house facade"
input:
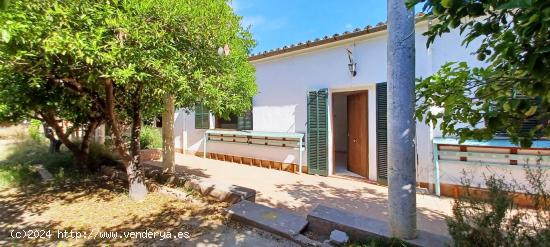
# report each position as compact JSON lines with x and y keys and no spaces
{"x":310,"y":90}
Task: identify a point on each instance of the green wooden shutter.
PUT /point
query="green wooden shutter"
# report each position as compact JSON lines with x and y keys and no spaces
{"x":317,"y":132}
{"x":382,"y":132}
{"x":245,"y":121}
{"x":202,"y":117}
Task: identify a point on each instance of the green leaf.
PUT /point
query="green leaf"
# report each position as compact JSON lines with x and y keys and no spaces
{"x":532,"y":110}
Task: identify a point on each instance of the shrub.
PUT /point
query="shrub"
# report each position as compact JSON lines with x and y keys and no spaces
{"x":34,"y":131}
{"x":150,"y":138}
{"x":102,"y":155}
{"x":497,"y":220}
{"x":16,"y":174}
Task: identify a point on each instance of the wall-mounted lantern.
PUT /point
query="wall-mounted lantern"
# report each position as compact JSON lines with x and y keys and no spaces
{"x":352,"y":66}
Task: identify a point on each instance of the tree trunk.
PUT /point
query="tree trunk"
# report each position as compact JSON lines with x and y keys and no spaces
{"x":138,"y":191}
{"x":168,"y":151}
{"x":79,"y":158}
{"x":85,"y":145}
{"x":401,"y":124}
{"x":137,"y":188}
{"x":113,"y":120}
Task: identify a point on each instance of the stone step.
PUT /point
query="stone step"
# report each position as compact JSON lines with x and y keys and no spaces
{"x":273,"y":220}
{"x":44,"y":174}
{"x":322,"y":220}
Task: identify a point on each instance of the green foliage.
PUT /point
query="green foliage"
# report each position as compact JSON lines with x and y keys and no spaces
{"x":513,"y":88}
{"x":150,"y":138}
{"x":34,"y":131}
{"x":497,"y":220}
{"x":57,"y":56}
{"x":16,"y":174}
{"x":379,"y":242}
{"x":16,"y":164}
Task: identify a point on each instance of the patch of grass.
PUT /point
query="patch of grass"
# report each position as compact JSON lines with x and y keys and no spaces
{"x":16,"y":165}
{"x":35,"y":131}
{"x":16,"y":174}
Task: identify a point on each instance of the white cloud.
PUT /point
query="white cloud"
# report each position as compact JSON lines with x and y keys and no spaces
{"x":349,"y":26}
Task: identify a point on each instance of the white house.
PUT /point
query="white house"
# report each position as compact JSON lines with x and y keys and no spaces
{"x":307,"y":89}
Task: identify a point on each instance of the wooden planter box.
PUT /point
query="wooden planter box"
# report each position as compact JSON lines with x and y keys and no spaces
{"x":151,"y":154}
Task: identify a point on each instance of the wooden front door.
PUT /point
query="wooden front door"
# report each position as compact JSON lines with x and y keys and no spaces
{"x":358,"y":149}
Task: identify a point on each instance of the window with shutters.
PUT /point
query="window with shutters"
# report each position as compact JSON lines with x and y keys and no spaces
{"x":528,"y":123}
{"x":202,"y":117}
{"x":235,"y":122}
{"x":317,"y":132}
{"x":244,"y":122}
{"x":227,"y":123}
{"x":382,"y":132}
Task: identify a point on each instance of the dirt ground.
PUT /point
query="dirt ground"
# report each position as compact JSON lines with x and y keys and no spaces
{"x":97,"y":208}
{"x":89,"y":212}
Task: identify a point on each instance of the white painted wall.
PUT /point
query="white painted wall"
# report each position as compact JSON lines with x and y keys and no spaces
{"x":284,"y":80}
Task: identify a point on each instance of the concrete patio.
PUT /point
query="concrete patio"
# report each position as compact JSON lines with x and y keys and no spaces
{"x":301,"y":193}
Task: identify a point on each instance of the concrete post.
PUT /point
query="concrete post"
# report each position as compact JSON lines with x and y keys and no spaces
{"x":168,"y":149}
{"x":401,"y":122}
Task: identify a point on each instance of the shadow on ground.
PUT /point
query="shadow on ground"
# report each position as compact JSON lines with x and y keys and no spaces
{"x":101,"y":205}
{"x":181,"y":168}
{"x":363,"y":201}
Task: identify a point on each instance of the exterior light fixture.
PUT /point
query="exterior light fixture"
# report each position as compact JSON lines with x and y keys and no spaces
{"x":352,"y":66}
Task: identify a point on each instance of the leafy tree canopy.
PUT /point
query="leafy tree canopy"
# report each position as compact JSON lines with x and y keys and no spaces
{"x":511,"y":93}
{"x":95,"y":61}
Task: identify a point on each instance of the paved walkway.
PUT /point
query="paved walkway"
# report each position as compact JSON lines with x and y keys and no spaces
{"x":301,"y":193}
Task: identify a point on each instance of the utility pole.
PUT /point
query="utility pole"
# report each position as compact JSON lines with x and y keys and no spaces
{"x":401,"y":122}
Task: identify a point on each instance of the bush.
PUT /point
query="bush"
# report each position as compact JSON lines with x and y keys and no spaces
{"x":34,"y":131}
{"x":150,"y":138}
{"x":497,"y":220}
{"x":17,"y":174}
{"x":102,"y":155}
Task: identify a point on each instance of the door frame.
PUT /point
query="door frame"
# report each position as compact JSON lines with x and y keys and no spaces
{"x":371,"y":91}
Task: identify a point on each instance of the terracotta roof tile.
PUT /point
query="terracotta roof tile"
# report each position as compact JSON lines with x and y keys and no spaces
{"x":325,"y":40}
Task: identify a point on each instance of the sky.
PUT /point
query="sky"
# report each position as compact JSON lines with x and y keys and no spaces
{"x":276,"y":23}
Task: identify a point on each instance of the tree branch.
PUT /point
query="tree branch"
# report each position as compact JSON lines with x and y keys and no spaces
{"x":49,"y":118}
{"x":113,"y":120}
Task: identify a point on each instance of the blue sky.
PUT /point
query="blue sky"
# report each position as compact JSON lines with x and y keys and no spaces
{"x":275,"y":23}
